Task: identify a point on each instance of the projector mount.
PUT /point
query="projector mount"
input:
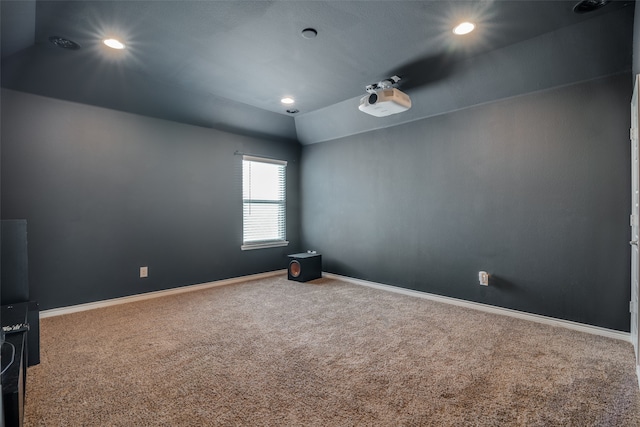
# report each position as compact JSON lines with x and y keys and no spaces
{"x":383,"y":84}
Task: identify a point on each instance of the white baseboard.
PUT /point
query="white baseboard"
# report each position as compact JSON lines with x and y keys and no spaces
{"x":595,"y":330}
{"x":624,"y":336}
{"x":123,"y":300}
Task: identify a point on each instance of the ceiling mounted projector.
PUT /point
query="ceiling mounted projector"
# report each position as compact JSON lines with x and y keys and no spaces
{"x":385,"y":102}
{"x":383,"y":99}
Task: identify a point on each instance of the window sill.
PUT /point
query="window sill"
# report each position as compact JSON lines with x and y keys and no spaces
{"x":252,"y":246}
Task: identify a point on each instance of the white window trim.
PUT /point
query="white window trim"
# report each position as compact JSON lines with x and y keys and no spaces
{"x":274,"y":244}
{"x":271,"y":243}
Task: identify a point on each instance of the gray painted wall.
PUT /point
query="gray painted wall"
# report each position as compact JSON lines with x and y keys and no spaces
{"x":105,"y":192}
{"x":533,"y":189}
{"x":636,"y":41}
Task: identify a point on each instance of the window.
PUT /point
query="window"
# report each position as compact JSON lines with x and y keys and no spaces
{"x":263,"y":203}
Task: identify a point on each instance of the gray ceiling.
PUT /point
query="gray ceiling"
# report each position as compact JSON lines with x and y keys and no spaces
{"x":226,"y":64}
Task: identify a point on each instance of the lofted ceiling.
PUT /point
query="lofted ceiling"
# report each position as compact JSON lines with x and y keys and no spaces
{"x":227,"y":64}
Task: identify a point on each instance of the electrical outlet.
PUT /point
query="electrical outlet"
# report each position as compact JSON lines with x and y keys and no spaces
{"x":483,"y":278}
{"x":144,"y":271}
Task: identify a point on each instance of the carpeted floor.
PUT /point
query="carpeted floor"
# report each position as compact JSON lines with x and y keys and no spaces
{"x":325,"y":353}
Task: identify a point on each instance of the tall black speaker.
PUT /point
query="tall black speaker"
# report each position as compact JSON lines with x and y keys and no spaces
{"x":304,"y":267}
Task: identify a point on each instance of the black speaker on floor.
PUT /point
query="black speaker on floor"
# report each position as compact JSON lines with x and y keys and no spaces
{"x":304,"y":267}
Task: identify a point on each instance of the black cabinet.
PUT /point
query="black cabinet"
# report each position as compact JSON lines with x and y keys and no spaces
{"x":14,"y":364}
{"x":19,"y":348}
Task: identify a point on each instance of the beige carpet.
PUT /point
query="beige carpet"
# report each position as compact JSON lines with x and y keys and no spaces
{"x":324,"y":353}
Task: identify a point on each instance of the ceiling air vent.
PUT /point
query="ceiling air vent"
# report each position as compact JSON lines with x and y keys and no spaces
{"x":64,"y":43}
{"x":589,"y":5}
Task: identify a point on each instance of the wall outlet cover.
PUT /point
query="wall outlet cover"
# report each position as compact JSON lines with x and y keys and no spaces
{"x":483,"y":278}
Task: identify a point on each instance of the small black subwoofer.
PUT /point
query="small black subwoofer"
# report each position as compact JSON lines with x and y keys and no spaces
{"x":304,"y":267}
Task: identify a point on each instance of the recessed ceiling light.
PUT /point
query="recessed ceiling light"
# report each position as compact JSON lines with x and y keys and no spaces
{"x":287,"y":100}
{"x":464,"y":28}
{"x":114,"y":44}
{"x":292,"y":111}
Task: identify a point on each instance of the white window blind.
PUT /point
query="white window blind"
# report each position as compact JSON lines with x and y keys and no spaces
{"x":263,"y":202}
